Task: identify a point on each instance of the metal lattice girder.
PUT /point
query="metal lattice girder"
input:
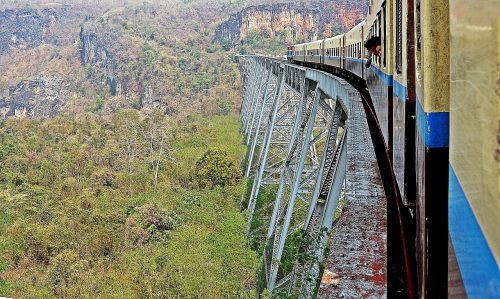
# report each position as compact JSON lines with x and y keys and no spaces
{"x":265,"y":147}
{"x":255,"y":99}
{"x":259,"y":70}
{"x":268,"y":94}
{"x":253,"y":70}
{"x":249,"y":73}
{"x":294,"y":136}
{"x":283,"y":229}
{"x":273,"y":152}
{"x":319,"y":225}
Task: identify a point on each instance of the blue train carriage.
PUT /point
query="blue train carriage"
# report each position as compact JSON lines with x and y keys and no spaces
{"x":355,"y":50}
{"x":474,"y":146}
{"x":314,"y":51}
{"x":333,"y":50}
{"x":403,"y":111}
{"x":379,"y":76}
{"x":432,"y":142}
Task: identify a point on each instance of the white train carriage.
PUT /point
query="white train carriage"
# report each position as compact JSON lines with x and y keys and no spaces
{"x":299,"y":52}
{"x":314,"y":52}
{"x":355,"y":50}
{"x":334,"y":48}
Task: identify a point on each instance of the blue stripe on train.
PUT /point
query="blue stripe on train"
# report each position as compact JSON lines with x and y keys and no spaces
{"x":382,"y":76}
{"x":400,"y":90}
{"x":356,"y":59}
{"x":433,"y":127}
{"x":478,"y":267}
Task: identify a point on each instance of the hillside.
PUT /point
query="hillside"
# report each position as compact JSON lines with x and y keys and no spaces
{"x":143,"y":56}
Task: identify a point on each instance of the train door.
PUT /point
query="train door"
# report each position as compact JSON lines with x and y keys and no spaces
{"x":305,"y":53}
{"x":343,"y":52}
{"x":322,"y":53}
{"x":362,"y":51}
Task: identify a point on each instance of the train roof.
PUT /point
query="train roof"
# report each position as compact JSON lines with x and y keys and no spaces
{"x":334,"y":37}
{"x":314,"y":42}
{"x":362,"y":23}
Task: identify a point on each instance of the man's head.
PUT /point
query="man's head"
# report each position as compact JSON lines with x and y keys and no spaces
{"x":373,"y":44}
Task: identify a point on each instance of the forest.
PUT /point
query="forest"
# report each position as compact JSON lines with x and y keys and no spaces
{"x":129,"y":195}
{"x":133,"y":206}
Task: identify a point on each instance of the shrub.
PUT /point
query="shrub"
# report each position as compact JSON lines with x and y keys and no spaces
{"x":215,"y":169}
{"x":224,"y":106}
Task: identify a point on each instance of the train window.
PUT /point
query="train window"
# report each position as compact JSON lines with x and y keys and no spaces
{"x":399,"y":36}
{"x":418,"y":39}
{"x":384,"y":52}
{"x":379,"y":21}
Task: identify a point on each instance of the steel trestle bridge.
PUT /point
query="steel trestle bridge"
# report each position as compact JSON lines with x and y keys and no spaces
{"x":309,"y":146}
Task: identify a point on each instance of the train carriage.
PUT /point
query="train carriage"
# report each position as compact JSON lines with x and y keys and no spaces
{"x":355,"y":50}
{"x":439,"y":118}
{"x":379,"y":76}
{"x":314,"y":52}
{"x":299,"y":52}
{"x":333,"y":50}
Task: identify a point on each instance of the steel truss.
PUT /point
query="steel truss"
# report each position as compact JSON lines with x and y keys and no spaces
{"x":294,"y":123}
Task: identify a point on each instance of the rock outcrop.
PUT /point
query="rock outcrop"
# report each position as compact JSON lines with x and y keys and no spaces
{"x":40,"y":97}
{"x":296,"y":21}
{"x":28,"y":27}
{"x":98,"y":60}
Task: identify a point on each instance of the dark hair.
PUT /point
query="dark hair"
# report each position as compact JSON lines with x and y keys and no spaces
{"x":372,"y":42}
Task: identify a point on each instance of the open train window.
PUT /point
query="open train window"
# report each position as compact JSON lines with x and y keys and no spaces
{"x":399,"y":36}
{"x":379,"y":29}
{"x":384,"y":20}
{"x":418,"y":40}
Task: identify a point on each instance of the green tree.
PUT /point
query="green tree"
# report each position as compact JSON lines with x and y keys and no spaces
{"x":224,"y":106}
{"x":215,"y":169}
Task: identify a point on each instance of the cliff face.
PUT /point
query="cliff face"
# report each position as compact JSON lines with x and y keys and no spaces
{"x":297,"y":22}
{"x":99,"y":62}
{"x":39,"y":97}
{"x":108,"y":57}
{"x":28,"y":28}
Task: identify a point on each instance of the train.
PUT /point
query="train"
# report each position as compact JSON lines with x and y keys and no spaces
{"x":435,"y":90}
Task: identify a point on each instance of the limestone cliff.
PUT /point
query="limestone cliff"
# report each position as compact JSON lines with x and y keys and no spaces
{"x":297,"y":21}
{"x":28,"y":28}
{"x":40,"y":97}
{"x":96,"y":56}
{"x":37,"y":46}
